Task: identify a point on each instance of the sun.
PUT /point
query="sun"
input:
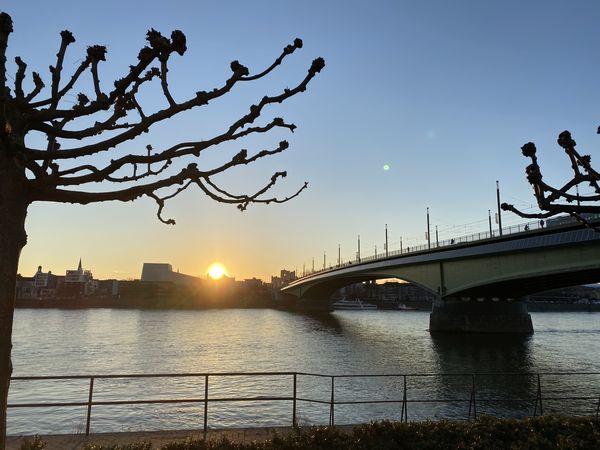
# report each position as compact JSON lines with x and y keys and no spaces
{"x":216,"y":271}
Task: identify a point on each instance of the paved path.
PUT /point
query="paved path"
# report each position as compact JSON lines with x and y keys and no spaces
{"x":157,"y":438}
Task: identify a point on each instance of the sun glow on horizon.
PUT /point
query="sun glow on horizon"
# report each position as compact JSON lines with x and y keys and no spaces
{"x":216,"y":271}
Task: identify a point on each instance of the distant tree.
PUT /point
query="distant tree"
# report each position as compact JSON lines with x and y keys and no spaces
{"x":99,"y":121}
{"x":566,"y":199}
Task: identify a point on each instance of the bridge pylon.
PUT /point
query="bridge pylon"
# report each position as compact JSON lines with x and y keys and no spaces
{"x":480,"y":315}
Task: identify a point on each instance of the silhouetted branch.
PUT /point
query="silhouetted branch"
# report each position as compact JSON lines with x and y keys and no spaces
{"x":19,"y":77}
{"x":80,"y":69}
{"x":202,"y":98}
{"x":66,"y":39}
{"x":288,"y":50}
{"x":243,"y":200}
{"x":553,"y":201}
{"x":50,"y":182}
{"x":177,"y":151}
{"x":38,"y":86}
{"x":5,"y":29}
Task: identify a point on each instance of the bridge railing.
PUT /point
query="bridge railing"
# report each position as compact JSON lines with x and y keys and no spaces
{"x":521,"y":228}
{"x":400,"y":395}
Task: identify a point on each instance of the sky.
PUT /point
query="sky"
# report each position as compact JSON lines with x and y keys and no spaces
{"x":441,"y":94}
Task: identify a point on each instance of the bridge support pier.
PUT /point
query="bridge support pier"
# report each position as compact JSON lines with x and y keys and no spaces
{"x":314,"y":305}
{"x":474,"y":316}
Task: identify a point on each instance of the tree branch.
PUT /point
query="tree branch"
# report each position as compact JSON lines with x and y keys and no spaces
{"x":19,"y":77}
{"x":548,"y":197}
{"x":6,"y":27}
{"x":201,"y":98}
{"x":50,"y":183}
{"x":66,"y":39}
{"x":80,"y":69}
{"x":177,"y":151}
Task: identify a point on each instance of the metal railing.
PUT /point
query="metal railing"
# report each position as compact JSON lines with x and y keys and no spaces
{"x":521,"y":228}
{"x":476,"y":392}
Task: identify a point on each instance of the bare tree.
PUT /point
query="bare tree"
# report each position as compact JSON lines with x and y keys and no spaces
{"x":99,"y":121}
{"x":552,"y":200}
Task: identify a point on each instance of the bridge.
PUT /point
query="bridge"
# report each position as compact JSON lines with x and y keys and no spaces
{"x":479,"y":281}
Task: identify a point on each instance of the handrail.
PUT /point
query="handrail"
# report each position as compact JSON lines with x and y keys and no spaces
{"x":474,"y":382}
{"x":521,"y":228}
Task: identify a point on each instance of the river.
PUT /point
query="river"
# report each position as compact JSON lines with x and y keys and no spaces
{"x":113,"y":341}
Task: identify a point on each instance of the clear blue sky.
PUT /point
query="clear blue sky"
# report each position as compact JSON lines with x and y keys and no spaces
{"x":444,"y":92}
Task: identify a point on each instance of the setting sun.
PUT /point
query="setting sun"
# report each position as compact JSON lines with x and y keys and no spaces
{"x":216,"y":271}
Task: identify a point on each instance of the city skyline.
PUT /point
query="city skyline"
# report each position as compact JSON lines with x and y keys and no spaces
{"x":214,"y":271}
{"x":405,"y":116}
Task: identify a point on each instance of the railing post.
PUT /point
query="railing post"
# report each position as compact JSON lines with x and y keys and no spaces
{"x":472,"y":400}
{"x":404,"y":413}
{"x":89,"y":407}
{"x":294,"y":402}
{"x":538,"y":398}
{"x":331,"y":403}
{"x":205,"y":428}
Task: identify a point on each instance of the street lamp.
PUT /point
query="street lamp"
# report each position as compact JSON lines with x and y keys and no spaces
{"x":428,"y":233}
{"x":386,"y":241}
{"x":498,"y":201}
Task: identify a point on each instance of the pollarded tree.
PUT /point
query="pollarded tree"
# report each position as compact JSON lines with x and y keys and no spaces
{"x":552,"y":200}
{"x":99,"y":121}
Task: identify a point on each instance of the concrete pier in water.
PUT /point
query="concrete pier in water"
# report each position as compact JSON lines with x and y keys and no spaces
{"x":475,"y":316}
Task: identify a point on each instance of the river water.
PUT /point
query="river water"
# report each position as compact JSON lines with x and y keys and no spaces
{"x":111,"y":341}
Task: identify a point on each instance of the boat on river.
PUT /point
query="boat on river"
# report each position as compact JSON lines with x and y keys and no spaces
{"x":354,"y":305}
{"x":403,"y":307}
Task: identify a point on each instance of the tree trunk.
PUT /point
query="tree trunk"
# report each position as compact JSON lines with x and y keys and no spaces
{"x":13,"y":209}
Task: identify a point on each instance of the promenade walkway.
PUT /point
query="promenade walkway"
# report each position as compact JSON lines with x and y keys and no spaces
{"x":157,"y":438}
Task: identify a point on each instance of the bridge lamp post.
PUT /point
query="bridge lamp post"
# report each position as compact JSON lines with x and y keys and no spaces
{"x":498,"y":201}
{"x":490,"y":221}
{"x":358,"y":253}
{"x":324,"y":260}
{"x":339,"y":255}
{"x":437,"y":241}
{"x":386,"y":241}
{"x":400,"y":244}
{"x":375,"y":251}
{"x":428,"y":233}
{"x":313,"y":269}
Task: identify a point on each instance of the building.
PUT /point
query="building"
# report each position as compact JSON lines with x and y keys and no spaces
{"x":285,"y":277}
{"x":41,"y":285}
{"x":163,"y":272}
{"x":78,"y":282}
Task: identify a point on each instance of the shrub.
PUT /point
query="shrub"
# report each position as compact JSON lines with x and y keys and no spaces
{"x":485,"y":433}
{"x":36,"y":444}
